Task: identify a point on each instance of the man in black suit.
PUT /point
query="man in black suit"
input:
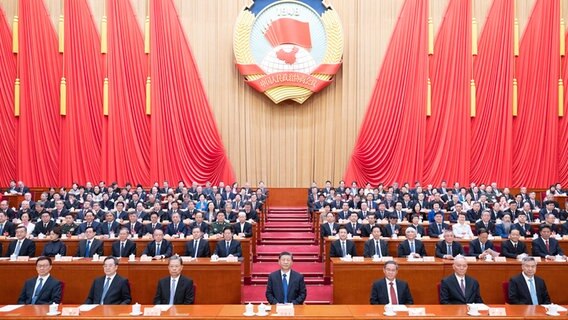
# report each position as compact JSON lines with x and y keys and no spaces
{"x":111,"y":288}
{"x":21,"y":246}
{"x":7,"y":228}
{"x":44,"y":226}
{"x":329,"y":228}
{"x":159,"y":248}
{"x":148,"y":229}
{"x":526,"y":288}
{"x":228,"y":246}
{"x":199,"y":223}
{"x":459,"y":288}
{"x":89,"y":246}
{"x":353,"y":227}
{"x":42,"y":289}
{"x":485,"y":223}
{"x":436,"y":228}
{"x":286,"y":285}
{"x":474,"y":213}
{"x":175,"y":289}
{"x":242,"y":228}
{"x":375,"y":246}
{"x":512,"y":248}
{"x":448,"y":248}
{"x":524,"y":228}
{"x":342,"y":246}
{"x":546,"y":246}
{"x":392,"y":228}
{"x":197,"y":247}
{"x":110,"y":226}
{"x":481,"y":247}
{"x":123,"y":247}
{"x":367,"y":228}
{"x":391,"y":290}
{"x":411,"y":247}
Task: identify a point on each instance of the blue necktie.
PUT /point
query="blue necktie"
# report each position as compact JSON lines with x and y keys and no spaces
{"x":105,"y":289}
{"x":37,"y":291}
{"x":87,"y":249}
{"x":172,"y":291}
{"x":285,"y":288}
{"x":412,"y":247}
{"x":533,"y":292}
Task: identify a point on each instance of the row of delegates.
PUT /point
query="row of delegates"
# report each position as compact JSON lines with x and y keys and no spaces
{"x":110,"y":289}
{"x":459,"y":288}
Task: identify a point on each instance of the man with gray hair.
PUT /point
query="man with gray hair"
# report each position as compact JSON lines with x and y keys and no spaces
{"x":526,"y":288}
{"x":459,"y":288}
{"x":411,"y":247}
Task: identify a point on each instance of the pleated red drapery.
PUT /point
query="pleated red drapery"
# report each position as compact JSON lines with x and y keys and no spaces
{"x":7,"y":120}
{"x":535,"y":129}
{"x":186,"y":144}
{"x":390,"y":145}
{"x":40,"y":69}
{"x":81,"y":131}
{"x":563,"y":129}
{"x":447,"y":151}
{"x":126,"y":143}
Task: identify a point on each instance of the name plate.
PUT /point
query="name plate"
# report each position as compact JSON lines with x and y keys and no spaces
{"x":429,"y":259}
{"x":145,"y":258}
{"x":500,"y":259}
{"x":69,"y":311}
{"x":232,"y":259}
{"x":537,"y":259}
{"x":470,"y":259}
{"x":358,"y":259}
{"x":152,"y":312}
{"x":24,"y":258}
{"x":385,"y":259}
{"x":416,"y":312}
{"x":412,"y":259}
{"x":286,"y":310}
{"x":497,"y":312}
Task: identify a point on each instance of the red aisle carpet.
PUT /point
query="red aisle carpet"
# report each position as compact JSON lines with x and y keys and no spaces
{"x":288,"y":229}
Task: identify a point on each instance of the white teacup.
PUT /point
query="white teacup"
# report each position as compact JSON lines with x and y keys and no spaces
{"x":488,"y":258}
{"x":214,"y":257}
{"x":552,"y":309}
{"x":136,"y":308}
{"x":53,"y":308}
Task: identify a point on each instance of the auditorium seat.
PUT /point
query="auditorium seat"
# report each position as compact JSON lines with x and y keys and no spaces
{"x":505,"y":288}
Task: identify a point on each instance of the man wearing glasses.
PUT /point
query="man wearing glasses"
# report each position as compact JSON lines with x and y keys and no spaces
{"x":42,"y":289}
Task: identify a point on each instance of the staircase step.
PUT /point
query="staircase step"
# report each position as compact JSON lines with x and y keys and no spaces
{"x":287,"y":235}
{"x":286,"y":224}
{"x":287,"y":215}
{"x":291,"y":229}
{"x":286,"y":219}
{"x":296,"y":250}
{"x":289,"y":242}
{"x":307,"y":280}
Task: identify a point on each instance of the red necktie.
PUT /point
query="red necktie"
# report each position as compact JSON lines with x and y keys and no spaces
{"x":394,"y":300}
{"x":547,"y":246}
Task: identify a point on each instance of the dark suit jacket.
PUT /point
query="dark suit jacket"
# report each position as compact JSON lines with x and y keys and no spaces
{"x":247,"y":229}
{"x":234,"y":248}
{"x":519,"y":291}
{"x":115,"y":227}
{"x":404,"y":248}
{"x":526,"y":230}
{"x":165,"y":249}
{"x":96,"y":247}
{"x":147,"y":228}
{"x":336,"y":251}
{"x":28,"y":248}
{"x":356,"y":231}
{"x":379,"y":293}
{"x":450,"y":291}
{"x":388,"y":230}
{"x":39,"y":228}
{"x":83,"y":226}
{"x":296,"y":288}
{"x":118,"y":291}
{"x":433,"y":229}
{"x":442,"y":250}
{"x":184,"y":291}
{"x":509,"y":251}
{"x":490,"y":227}
{"x":325,"y":230}
{"x":129,"y":248}
{"x":475,"y":247}
{"x":181,"y":228}
{"x":202,"y":249}
{"x":138,"y":228}
{"x":369,"y":248}
{"x":539,"y":248}
{"x":9,"y":229}
{"x":204,"y":227}
{"x":50,"y":292}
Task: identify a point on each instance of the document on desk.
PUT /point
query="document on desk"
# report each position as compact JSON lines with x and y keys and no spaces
{"x":10,"y":307}
{"x":87,"y":307}
{"x":399,"y":308}
{"x":480,"y":306}
{"x":163,"y":307}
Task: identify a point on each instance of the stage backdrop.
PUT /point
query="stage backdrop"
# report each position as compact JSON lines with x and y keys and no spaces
{"x":371,"y":124}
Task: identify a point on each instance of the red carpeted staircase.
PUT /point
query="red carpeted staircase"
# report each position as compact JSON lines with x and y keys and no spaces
{"x":288,"y":229}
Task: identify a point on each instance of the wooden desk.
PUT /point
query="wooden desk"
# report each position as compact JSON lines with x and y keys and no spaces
{"x":178,"y":247}
{"x":233,"y":312}
{"x":217,"y":282}
{"x":352,"y":281}
{"x":562,"y":202}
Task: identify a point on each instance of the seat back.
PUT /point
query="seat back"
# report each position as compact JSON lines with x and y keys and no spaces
{"x":438,"y":286}
{"x":194,"y":293}
{"x":505,"y":288}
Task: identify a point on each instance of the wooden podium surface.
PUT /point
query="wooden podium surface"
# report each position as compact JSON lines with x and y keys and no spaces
{"x":217,"y":282}
{"x":352,"y":281}
{"x":233,"y":312}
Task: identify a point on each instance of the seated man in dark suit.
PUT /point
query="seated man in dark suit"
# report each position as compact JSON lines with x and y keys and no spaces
{"x":367,"y":228}
{"x":286,"y":285}
{"x":526,"y":288}
{"x":21,"y":246}
{"x":392,"y":227}
{"x":436,"y":228}
{"x":353,"y":227}
{"x":448,"y":248}
{"x":330,"y":227}
{"x":43,"y":289}
{"x":524,"y":228}
{"x":242,"y":228}
{"x":44,"y":226}
{"x":148,"y":229}
{"x":159,"y":248}
{"x":110,"y":226}
{"x":504,"y":228}
{"x":111,"y":288}
{"x":197,"y":247}
{"x":485,"y":223}
{"x":7,"y":228}
{"x":459,"y":288}
{"x":342,"y":247}
{"x":176,"y":288}
{"x":135,"y":227}
{"x":481,"y":246}
{"x":228,"y":246}
{"x":375,"y":246}
{"x":89,"y":222}
{"x":89,"y":246}
{"x":199,"y":223}
{"x":177,"y":227}
{"x":513,"y":248}
{"x":391,"y":290}
{"x":545,"y":246}
{"x":411,"y":247}
{"x":123,"y":247}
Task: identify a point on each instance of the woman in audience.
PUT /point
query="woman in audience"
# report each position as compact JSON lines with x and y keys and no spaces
{"x":468,"y":203}
{"x":211,"y":214}
{"x":55,"y":246}
{"x":25,"y":218}
{"x":202,"y":204}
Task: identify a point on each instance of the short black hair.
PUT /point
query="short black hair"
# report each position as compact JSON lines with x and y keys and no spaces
{"x":44,"y":258}
{"x":285,"y":253}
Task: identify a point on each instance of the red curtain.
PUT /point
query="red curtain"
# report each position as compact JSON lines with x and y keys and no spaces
{"x":563,"y":130}
{"x":535,"y":129}
{"x":186,"y":144}
{"x":126,"y":143}
{"x":447,"y":152}
{"x":40,"y":70}
{"x":390,"y":145}
{"x":492,"y":128}
{"x":7,"y":120}
{"x":81,"y":129}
